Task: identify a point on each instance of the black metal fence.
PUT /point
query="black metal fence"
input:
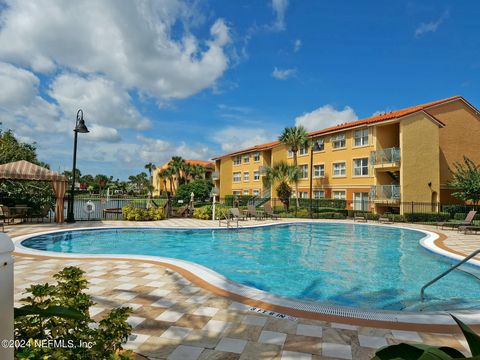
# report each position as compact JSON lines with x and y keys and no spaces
{"x":110,"y":208}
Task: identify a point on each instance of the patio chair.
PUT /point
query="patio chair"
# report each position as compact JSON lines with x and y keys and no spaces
{"x":252,"y":211}
{"x":359,"y":217}
{"x":269,"y":211}
{"x":5,"y":214}
{"x":235,"y":214}
{"x":42,"y":213}
{"x":455,"y":224}
{"x":385,"y":219}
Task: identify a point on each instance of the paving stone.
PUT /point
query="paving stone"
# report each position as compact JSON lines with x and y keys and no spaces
{"x":231,"y":345}
{"x":272,"y":337}
{"x":184,"y":352}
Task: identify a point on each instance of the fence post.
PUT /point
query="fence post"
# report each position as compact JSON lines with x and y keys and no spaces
{"x":412,"y":207}
{"x":6,"y":296}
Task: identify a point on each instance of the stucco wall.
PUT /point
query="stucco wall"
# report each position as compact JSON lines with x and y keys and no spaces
{"x":459,"y":137}
{"x":419,"y":146}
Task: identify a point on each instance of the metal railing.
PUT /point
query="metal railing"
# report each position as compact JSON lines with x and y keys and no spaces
{"x":385,"y":156}
{"x":422,"y":291}
{"x":385,"y":192}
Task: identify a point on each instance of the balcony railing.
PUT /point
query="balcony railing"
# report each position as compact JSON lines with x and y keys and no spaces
{"x":385,"y":156}
{"x":385,"y":192}
{"x":215,"y":175}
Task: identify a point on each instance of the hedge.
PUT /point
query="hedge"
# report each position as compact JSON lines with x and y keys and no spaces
{"x":242,"y":199}
{"x":426,"y":217}
{"x":462,"y":216}
{"x":322,"y":203}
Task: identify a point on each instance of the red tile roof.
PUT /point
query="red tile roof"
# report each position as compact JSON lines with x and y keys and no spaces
{"x":200,"y":162}
{"x":396,"y":114}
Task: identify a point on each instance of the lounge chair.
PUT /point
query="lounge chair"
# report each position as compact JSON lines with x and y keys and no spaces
{"x":359,"y":217}
{"x":268,"y":211}
{"x":235,"y":214}
{"x":5,"y":214}
{"x":385,"y":219}
{"x":455,"y":224}
{"x":252,"y":211}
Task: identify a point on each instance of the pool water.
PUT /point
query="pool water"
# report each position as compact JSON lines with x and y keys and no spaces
{"x":363,"y":266}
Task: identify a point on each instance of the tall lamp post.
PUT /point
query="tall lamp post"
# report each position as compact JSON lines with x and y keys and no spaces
{"x":80,"y":127}
{"x":314,"y":147}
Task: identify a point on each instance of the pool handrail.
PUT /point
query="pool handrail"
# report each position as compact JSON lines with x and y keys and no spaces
{"x":422,"y":291}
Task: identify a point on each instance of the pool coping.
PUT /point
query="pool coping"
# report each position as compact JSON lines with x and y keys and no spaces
{"x":435,"y":321}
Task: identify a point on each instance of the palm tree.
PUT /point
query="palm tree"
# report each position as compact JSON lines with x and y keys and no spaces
{"x":168,"y":173}
{"x":198,"y":171}
{"x":150,"y":167}
{"x":295,"y":138}
{"x":177,"y":163}
{"x":282,"y":174}
{"x":187,"y":172}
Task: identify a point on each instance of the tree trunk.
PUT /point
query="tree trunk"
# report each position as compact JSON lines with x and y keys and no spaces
{"x":296,"y":182}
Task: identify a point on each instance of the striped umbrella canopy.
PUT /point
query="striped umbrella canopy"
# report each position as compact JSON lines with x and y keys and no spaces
{"x":24,"y":170}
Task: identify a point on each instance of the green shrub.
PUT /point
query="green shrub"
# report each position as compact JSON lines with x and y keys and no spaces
{"x":200,"y":188}
{"x":105,"y":339}
{"x":331,"y":215}
{"x":462,"y":216}
{"x":324,"y":203}
{"x":426,"y":217}
{"x":205,"y":212}
{"x":138,"y":214}
{"x":242,"y":199}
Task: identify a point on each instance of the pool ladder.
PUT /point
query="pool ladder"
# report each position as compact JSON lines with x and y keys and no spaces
{"x":422,"y":291}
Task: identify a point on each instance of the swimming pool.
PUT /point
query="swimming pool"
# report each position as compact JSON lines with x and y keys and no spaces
{"x":354,"y":265}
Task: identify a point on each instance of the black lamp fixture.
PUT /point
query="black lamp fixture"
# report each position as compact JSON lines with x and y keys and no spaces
{"x":315,"y":147}
{"x":80,"y":127}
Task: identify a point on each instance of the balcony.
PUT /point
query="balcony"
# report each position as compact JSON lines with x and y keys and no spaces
{"x":385,"y":193}
{"x":387,"y":159}
{"x":216,"y":175}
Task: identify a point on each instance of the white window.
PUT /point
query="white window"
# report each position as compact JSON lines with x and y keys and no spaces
{"x":246,"y":158}
{"x":290,"y":153}
{"x":320,"y":145}
{"x":256,"y":157}
{"x":360,"y":167}
{"x":361,"y":137}
{"x":237,"y":176}
{"x":303,"y":195}
{"x":256,"y":192}
{"x":246,"y":192}
{"x":237,"y":160}
{"x":246,"y":176}
{"x":236,"y":192}
{"x":339,"y":169}
{"x":303,"y":171}
{"x":318,"y":194}
{"x":303,"y":150}
{"x":256,"y":175}
{"x":339,"y":195}
{"x":319,"y":170}
{"x":360,"y":201}
{"x":338,"y":141}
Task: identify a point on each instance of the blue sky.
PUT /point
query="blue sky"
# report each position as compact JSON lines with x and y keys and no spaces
{"x":201,"y":78}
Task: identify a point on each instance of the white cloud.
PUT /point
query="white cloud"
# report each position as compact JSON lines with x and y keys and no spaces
{"x":131,"y":43}
{"x":19,"y":87}
{"x":283,"y":74}
{"x":324,"y":117}
{"x":297,"y":45}
{"x":105,"y":103}
{"x":279,"y":8}
{"x":431,"y":26}
{"x":235,"y":137}
{"x":102,"y":133}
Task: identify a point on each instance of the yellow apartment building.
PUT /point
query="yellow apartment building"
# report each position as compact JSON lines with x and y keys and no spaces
{"x":378,"y":163}
{"x":162,"y":184}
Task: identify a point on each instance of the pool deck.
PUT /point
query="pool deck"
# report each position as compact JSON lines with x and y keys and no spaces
{"x":175,"y":318}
